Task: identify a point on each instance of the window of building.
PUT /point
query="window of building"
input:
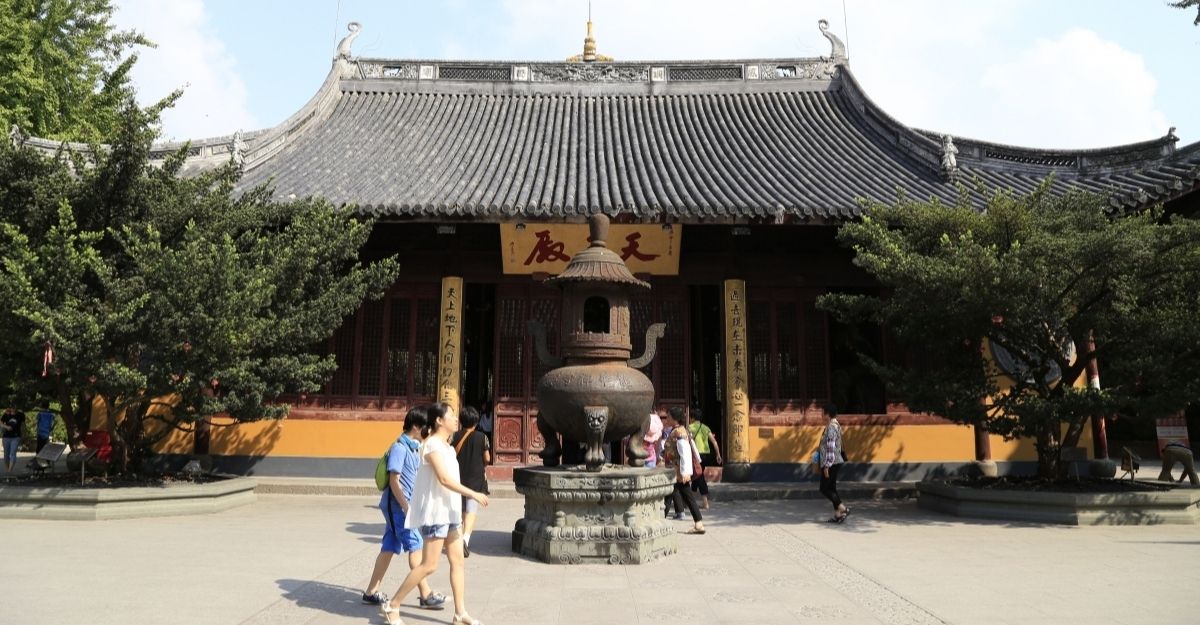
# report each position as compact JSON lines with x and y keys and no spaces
{"x":799,"y":356}
{"x":386,"y":352}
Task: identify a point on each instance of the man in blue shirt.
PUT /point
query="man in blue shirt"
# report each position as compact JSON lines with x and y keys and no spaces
{"x":45,"y":425}
{"x":403,"y":460}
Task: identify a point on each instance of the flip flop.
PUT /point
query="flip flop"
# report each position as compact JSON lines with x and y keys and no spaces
{"x":694,"y":531}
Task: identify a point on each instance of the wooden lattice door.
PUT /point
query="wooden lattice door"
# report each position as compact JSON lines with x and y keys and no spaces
{"x":517,"y":369}
{"x":670,"y":371}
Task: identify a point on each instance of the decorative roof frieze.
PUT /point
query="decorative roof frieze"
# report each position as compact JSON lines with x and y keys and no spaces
{"x":653,"y":71}
{"x":576,"y":72}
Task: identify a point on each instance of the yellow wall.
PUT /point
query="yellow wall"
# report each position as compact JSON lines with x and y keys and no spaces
{"x":320,"y":439}
{"x":867,"y":443}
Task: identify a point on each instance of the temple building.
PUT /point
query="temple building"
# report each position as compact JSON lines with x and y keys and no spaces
{"x":725,"y":182}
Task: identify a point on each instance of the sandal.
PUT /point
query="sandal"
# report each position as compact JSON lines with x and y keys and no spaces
{"x":387,"y":610}
{"x":465,"y":619}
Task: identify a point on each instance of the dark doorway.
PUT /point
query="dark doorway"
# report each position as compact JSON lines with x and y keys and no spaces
{"x":479,"y":344}
{"x":707,"y":339}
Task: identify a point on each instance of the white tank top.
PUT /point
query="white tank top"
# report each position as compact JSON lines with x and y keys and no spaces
{"x":432,"y":503}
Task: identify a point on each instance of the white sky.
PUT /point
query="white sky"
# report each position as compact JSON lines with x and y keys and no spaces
{"x":1044,"y":73}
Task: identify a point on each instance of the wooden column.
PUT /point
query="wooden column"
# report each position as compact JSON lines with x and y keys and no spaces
{"x":737,"y":397}
{"x":450,"y":343}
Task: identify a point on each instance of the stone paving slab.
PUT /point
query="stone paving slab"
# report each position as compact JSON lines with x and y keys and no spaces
{"x":300,"y":559}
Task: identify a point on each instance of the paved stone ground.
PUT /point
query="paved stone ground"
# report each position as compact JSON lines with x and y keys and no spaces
{"x":303,"y":559}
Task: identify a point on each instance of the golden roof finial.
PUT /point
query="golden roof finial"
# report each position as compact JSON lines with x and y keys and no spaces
{"x":589,"y":46}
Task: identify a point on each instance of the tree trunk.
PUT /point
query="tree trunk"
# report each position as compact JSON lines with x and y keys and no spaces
{"x":1047,"y":450}
{"x":66,"y":408}
{"x":120,"y":447}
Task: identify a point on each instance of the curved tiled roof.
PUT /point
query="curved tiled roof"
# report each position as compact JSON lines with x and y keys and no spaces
{"x":762,"y":140}
{"x":705,"y":141}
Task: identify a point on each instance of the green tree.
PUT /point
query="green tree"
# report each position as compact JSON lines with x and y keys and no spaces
{"x":1036,"y":275}
{"x":170,"y":298}
{"x":65,"y":68}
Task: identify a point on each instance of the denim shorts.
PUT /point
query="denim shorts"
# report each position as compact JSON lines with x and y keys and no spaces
{"x":396,"y":538}
{"x":10,"y":447}
{"x":438,"y":531}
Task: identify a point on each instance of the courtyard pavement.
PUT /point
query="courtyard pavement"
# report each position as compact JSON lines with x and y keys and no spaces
{"x":303,"y":559}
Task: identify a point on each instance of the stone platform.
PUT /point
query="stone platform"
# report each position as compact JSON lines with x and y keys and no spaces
{"x":1179,"y":505}
{"x":614,"y":516}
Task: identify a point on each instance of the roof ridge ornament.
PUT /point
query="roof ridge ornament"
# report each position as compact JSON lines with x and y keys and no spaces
{"x":18,"y":136}
{"x":838,"y":51}
{"x":949,"y":162}
{"x":343,"y":47}
{"x":589,"y":47}
{"x":237,"y":150}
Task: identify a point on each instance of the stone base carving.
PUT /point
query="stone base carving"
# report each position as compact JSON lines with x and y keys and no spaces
{"x":574,"y":516}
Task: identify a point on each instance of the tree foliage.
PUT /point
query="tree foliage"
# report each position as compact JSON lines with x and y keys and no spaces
{"x":1187,"y":4}
{"x":170,"y":298}
{"x":65,"y":68}
{"x":1036,"y":275}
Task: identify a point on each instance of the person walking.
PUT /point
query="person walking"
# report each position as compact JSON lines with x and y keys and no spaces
{"x":45,"y":425}
{"x":474,"y":452}
{"x":680,"y":453}
{"x":436,"y":511}
{"x":710,"y":452}
{"x":487,"y":420}
{"x":402,"y":462}
{"x":651,"y":440}
{"x":831,"y":461}
{"x":11,"y":423}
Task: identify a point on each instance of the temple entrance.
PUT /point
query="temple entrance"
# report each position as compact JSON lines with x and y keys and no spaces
{"x":479,"y":356}
{"x":516,"y":368}
{"x":707,"y":348}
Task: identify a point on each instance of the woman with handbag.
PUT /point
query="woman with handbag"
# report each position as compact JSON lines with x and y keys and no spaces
{"x":436,"y":511}
{"x":474,"y":453}
{"x":832,"y":457}
{"x":679,"y":452}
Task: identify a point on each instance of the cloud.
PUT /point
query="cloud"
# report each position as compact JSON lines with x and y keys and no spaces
{"x":1076,"y":90}
{"x":190,"y":56}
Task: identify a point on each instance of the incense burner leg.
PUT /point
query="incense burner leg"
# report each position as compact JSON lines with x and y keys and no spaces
{"x":597,"y":423}
{"x":551,"y":453}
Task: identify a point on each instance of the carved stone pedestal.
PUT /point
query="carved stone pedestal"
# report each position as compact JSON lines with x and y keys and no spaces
{"x":613,"y":516}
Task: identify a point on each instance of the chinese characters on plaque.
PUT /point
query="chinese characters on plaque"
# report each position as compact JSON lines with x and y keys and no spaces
{"x":546,"y":248}
{"x":450,"y":342}
{"x":737,"y":404}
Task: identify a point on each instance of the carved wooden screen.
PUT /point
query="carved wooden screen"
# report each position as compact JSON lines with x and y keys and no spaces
{"x":787,"y":340}
{"x":517,"y":369}
{"x":670,"y":371}
{"x":816,"y":349}
{"x":386,"y":353}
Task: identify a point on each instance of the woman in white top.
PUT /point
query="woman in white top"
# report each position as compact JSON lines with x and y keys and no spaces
{"x":679,"y":452}
{"x":436,"y":511}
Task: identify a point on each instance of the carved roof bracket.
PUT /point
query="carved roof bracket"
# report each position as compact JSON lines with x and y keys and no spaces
{"x":838,"y":49}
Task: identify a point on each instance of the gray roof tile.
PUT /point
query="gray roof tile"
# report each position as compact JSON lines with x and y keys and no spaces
{"x":725,"y":150}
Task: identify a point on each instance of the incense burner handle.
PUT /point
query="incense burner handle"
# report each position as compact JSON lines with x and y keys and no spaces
{"x":539,"y":343}
{"x":653,"y":333}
